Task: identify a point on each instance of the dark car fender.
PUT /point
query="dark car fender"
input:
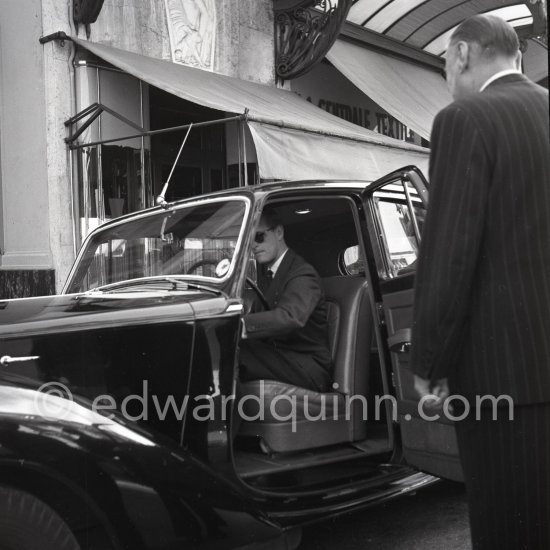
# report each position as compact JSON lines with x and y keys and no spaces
{"x":125,"y":486}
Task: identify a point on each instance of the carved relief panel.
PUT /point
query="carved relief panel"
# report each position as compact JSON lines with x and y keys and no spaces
{"x":192,"y":29}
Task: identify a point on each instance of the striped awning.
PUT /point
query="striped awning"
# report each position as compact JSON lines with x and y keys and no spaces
{"x":411,"y":93}
{"x":427,"y":24}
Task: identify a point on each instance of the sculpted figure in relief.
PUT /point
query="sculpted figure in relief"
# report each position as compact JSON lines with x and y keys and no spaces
{"x":192,"y":27}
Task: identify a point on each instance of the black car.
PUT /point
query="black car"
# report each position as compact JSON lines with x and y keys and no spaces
{"x":117,"y":413}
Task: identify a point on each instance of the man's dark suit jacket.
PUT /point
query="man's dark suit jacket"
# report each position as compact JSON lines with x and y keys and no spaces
{"x":482,"y":298}
{"x":296,"y":323}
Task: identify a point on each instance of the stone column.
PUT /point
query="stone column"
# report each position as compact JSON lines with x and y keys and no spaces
{"x":26,"y":261}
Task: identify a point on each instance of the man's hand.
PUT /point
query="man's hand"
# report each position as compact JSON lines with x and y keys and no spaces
{"x":438,"y":392}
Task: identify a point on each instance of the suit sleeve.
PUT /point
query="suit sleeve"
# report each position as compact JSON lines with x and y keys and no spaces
{"x":460,"y":175}
{"x":297,"y":301}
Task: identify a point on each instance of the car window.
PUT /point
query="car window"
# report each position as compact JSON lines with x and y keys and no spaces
{"x":400,"y":214}
{"x":196,"y":241}
{"x":324,"y":230}
{"x":351,"y":261}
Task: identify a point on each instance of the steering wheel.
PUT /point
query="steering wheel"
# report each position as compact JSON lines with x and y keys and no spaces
{"x":202,"y":263}
{"x":259,"y":294}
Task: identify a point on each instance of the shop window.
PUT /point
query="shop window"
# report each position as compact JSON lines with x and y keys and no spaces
{"x":114,"y":177}
{"x":186,"y":182}
{"x":201,"y":167}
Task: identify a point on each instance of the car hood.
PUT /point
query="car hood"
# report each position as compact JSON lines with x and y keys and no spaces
{"x":93,"y":310}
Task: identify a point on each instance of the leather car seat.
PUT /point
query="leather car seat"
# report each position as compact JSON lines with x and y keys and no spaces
{"x":350,"y":335}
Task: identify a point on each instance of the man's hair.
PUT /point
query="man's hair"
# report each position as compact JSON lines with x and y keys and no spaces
{"x":494,"y":35}
{"x":271,"y":217}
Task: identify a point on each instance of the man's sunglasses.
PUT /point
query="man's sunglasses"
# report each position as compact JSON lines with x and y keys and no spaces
{"x":260,"y":235}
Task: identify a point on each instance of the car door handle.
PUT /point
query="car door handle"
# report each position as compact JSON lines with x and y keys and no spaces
{"x":7,"y":359}
{"x":400,"y":341}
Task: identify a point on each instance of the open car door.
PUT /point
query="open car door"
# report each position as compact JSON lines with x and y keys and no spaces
{"x":395,"y":208}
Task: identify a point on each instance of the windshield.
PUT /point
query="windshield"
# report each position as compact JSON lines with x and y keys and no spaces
{"x":195,"y":241}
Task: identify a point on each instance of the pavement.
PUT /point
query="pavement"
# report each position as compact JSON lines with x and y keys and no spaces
{"x":435,"y":518}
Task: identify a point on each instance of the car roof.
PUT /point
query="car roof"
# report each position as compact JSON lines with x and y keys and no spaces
{"x":286,"y":185}
{"x":277,"y":185}
{"x":260,"y":188}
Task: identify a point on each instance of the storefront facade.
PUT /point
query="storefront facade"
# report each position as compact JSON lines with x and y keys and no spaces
{"x":52,"y":194}
{"x":141,"y":68}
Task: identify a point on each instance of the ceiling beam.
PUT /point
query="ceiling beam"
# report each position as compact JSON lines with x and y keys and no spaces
{"x":357,"y":34}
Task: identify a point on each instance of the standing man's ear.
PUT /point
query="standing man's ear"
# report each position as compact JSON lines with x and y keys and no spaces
{"x":463,"y":55}
{"x":519,"y":57}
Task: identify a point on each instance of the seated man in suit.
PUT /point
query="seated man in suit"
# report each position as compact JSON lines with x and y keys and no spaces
{"x":289,"y":341}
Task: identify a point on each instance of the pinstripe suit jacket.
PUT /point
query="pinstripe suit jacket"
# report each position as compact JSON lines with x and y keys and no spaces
{"x":482,"y":294}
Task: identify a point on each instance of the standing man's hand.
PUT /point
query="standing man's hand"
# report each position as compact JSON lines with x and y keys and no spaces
{"x":438,"y":392}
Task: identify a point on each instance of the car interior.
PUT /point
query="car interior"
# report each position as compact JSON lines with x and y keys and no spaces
{"x":355,"y":428}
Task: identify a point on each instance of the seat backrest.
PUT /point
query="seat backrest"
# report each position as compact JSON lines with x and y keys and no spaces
{"x":350,"y":332}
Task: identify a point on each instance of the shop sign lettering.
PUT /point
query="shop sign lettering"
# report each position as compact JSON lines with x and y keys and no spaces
{"x":382,"y":123}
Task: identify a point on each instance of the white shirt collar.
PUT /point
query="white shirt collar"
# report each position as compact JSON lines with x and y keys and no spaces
{"x":500,"y":74}
{"x":277,"y":263}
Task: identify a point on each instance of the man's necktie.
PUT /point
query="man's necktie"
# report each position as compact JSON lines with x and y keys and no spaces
{"x":267,"y":281}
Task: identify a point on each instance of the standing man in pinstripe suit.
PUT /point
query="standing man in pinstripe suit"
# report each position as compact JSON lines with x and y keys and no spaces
{"x":482,"y":295}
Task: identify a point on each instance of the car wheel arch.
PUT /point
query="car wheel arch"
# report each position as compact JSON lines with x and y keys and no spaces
{"x":56,"y":492}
